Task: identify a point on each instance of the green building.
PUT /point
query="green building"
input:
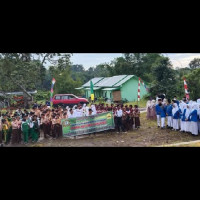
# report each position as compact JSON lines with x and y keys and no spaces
{"x":115,"y":88}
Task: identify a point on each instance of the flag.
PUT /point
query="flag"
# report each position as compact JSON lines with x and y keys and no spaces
{"x":186,"y":89}
{"x":53,"y":81}
{"x":147,"y":89}
{"x":51,"y":94}
{"x":139,"y":89}
{"x":92,"y":90}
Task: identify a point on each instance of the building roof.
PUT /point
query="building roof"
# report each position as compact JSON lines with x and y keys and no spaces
{"x":94,"y":81}
{"x":114,"y":81}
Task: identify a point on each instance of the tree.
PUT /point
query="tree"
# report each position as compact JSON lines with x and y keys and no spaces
{"x":195,"y":63}
{"x":25,"y":71}
{"x":164,"y":78}
{"x":193,"y":82}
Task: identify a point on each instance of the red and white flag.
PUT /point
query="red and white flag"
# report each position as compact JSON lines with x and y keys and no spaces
{"x":139,"y":89}
{"x":186,"y":89}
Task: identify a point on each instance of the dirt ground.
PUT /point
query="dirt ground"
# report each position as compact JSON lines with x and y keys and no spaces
{"x":147,"y":136}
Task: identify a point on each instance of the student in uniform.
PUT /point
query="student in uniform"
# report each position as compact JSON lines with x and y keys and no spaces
{"x":118,"y":115}
{"x":175,"y":114}
{"x":15,"y":134}
{"x":90,"y":112}
{"x":187,"y":119}
{"x":194,"y":119}
{"x":169,"y":115}
{"x":158,"y":112}
{"x":198,"y":113}
{"x":35,"y":129}
{"x":163,"y":115}
{"x":19,"y":122}
{"x":5,"y":131}
{"x":136,"y":114}
{"x":25,"y":130}
{"x":183,"y":123}
{"x":72,"y":114}
{"x":1,"y":134}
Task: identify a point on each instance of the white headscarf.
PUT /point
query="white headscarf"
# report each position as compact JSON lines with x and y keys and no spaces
{"x":148,"y":103}
{"x":188,"y":111}
{"x":94,"y":109}
{"x":198,"y":110}
{"x":194,"y":106}
{"x":87,"y":111}
{"x":175,"y":109}
{"x":182,"y":106}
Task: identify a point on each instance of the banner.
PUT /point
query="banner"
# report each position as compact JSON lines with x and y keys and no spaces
{"x":85,"y":125}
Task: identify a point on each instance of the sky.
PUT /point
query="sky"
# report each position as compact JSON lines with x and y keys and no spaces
{"x":93,"y":59}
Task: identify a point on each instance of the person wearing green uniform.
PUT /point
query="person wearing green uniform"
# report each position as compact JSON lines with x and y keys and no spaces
{"x":25,"y":130}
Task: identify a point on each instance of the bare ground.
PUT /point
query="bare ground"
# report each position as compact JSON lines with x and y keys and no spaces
{"x":147,"y":136}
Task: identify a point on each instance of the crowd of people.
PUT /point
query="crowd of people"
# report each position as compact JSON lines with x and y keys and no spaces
{"x":178,"y":115}
{"x":42,"y":121}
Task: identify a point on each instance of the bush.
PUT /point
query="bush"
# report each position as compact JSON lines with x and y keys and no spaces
{"x":41,"y":95}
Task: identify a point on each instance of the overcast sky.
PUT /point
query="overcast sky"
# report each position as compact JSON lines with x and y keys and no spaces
{"x":93,"y":59}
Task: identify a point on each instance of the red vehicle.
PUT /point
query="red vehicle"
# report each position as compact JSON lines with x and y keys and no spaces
{"x":68,"y":100}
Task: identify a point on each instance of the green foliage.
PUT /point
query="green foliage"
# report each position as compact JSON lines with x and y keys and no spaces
{"x":193,"y":81}
{"x":164,"y":79}
{"x":195,"y":63}
{"x":42,"y":95}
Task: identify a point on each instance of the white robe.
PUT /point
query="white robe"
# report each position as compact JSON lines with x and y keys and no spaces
{"x":194,"y":128}
{"x":169,"y":121}
{"x":175,"y":124}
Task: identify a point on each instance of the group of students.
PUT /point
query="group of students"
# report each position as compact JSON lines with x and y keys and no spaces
{"x":41,"y":121}
{"x":183,"y":115}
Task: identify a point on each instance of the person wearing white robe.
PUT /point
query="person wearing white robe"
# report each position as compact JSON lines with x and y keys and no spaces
{"x":79,"y":112}
{"x":84,"y":110}
{"x":175,"y":114}
{"x":187,"y":120}
{"x":72,"y":114}
{"x":183,"y":122}
{"x":194,"y":119}
{"x":87,"y":111}
{"x":198,"y":113}
{"x":94,"y":109}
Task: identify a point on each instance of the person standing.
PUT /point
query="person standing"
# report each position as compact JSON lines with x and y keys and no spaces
{"x":35,"y":129}
{"x":198,"y":113}
{"x":136,"y":114}
{"x":163,"y":115}
{"x":15,"y":135}
{"x":25,"y":130}
{"x":1,"y":134}
{"x":19,"y":122}
{"x":194,"y":119}
{"x":187,"y":119}
{"x":169,"y":115}
{"x":148,"y":109}
{"x":119,"y":114}
{"x":175,"y":114}
{"x":183,"y":122}
{"x":5,"y":131}
{"x":158,"y":112}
